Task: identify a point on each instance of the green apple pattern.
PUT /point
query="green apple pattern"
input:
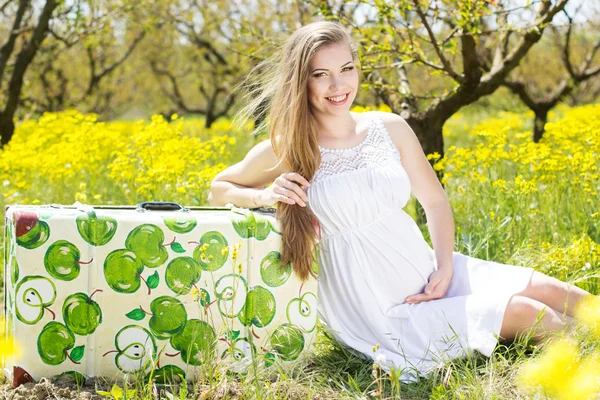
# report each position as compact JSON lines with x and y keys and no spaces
{"x":287,"y":342}
{"x":54,"y":343}
{"x":271,"y":270}
{"x":241,"y":351}
{"x":96,"y":230}
{"x":81,"y":314}
{"x":167,"y":375}
{"x":259,"y":309}
{"x":122,"y":270}
{"x":252,"y":224}
{"x":181,"y":224}
{"x":231,"y":291}
{"x":196,"y":342}
{"x":146,"y":241}
{"x":30,"y":231}
{"x":33,"y":295}
{"x":181,"y":274}
{"x":174,"y":321}
{"x":302,"y":311}
{"x":62,"y":260}
{"x":212,"y":251}
{"x":168,"y":317}
{"x":135,"y":349}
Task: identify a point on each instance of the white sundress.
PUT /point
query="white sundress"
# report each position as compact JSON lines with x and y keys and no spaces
{"x":372,"y":255}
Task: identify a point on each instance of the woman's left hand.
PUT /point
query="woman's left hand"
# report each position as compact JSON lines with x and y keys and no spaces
{"x":439,"y":281}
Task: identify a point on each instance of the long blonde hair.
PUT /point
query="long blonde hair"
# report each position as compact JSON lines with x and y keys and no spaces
{"x":280,"y":92}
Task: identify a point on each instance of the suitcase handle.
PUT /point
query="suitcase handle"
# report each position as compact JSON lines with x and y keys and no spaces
{"x":160,"y":206}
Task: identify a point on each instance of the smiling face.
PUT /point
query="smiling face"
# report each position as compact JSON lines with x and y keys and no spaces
{"x":332,"y":74}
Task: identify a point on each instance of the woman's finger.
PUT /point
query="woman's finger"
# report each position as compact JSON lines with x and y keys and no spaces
{"x":292,"y":190}
{"x":297,"y":177}
{"x":284,"y":198}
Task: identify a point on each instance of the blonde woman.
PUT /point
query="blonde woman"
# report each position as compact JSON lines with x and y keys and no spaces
{"x":341,"y":181}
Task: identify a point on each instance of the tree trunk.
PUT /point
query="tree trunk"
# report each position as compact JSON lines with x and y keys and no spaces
{"x":7,"y":127}
{"x":539,"y":123}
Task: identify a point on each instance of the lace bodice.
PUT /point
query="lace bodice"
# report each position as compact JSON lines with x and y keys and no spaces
{"x":375,"y":149}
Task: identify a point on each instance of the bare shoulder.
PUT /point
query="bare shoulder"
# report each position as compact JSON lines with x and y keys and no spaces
{"x":398,"y":129}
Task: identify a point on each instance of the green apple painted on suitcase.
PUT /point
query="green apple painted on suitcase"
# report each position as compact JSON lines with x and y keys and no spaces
{"x":196,"y":342}
{"x":182,"y":273}
{"x":97,"y":231}
{"x":30,"y":232}
{"x":146,"y":241}
{"x":135,"y":349}
{"x":212,"y":251}
{"x":287,"y":342}
{"x":81,"y":314}
{"x":231,"y":291}
{"x":168,"y":317}
{"x":180,"y":225}
{"x":63,"y":260}
{"x":54,"y":343}
{"x":259,"y":309}
{"x":122,"y":271}
{"x":271,"y":270}
{"x":34,"y":294}
{"x":156,"y":294}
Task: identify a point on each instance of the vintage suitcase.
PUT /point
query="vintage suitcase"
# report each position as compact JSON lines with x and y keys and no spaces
{"x":158,"y":288}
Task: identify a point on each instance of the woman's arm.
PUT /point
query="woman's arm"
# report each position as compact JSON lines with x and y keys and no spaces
{"x":242,"y":184}
{"x":425,"y":186}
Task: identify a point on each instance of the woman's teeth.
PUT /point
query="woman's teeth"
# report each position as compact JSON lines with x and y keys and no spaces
{"x":337,"y":99}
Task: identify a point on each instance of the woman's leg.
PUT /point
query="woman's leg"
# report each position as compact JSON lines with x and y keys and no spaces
{"x":522,"y":313}
{"x":559,"y":295}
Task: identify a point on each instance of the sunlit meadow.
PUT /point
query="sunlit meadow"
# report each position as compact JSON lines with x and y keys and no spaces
{"x":514,"y":201}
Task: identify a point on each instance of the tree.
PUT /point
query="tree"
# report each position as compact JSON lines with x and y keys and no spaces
{"x":76,"y":63}
{"x":33,"y":36}
{"x":541,"y":102}
{"x":442,"y":41}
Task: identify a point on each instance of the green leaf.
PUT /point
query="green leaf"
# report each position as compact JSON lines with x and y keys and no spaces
{"x":104,"y":394}
{"x":136,"y":314}
{"x":177,"y":247}
{"x":269,"y":359}
{"x":232,"y":335}
{"x":153,"y":280}
{"x":116,"y":392}
{"x":77,"y":353}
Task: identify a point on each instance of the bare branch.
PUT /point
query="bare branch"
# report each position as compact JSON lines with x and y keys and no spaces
{"x":3,"y":6}
{"x":502,"y":67}
{"x":9,"y":46}
{"x":447,"y":66}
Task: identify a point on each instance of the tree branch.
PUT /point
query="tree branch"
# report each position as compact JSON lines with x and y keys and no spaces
{"x":9,"y":46}
{"x":447,"y":66}
{"x":26,"y":56}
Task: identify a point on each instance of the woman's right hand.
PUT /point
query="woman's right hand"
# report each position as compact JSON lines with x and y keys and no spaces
{"x":289,"y":187}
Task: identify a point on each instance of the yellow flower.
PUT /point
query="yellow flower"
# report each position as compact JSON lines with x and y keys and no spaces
{"x":553,"y":370}
{"x":585,"y":384}
{"x":588,"y":313}
{"x":195,"y":294}
{"x":8,"y":345}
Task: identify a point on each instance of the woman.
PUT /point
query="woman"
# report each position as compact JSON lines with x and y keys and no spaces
{"x":351,"y":175}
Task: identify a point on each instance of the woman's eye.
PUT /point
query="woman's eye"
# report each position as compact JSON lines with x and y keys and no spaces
{"x":319,"y":74}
